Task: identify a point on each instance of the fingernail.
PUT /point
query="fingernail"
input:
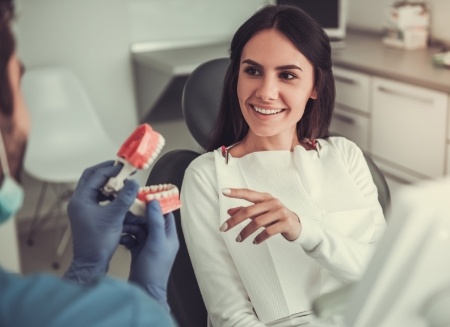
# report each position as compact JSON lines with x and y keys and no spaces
{"x":226,"y":191}
{"x":224,"y":227}
{"x":238,"y":238}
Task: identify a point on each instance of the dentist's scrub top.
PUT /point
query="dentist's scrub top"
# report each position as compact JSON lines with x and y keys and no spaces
{"x":46,"y":301}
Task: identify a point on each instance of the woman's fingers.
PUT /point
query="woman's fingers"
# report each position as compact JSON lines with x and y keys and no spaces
{"x":240,"y":214}
{"x":269,"y":214}
{"x":246,"y":194}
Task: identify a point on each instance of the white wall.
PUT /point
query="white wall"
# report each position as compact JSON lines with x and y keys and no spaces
{"x":154,"y":20}
{"x":92,"y":38}
{"x":370,"y":15}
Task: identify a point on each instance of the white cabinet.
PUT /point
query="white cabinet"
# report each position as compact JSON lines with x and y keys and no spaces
{"x":352,"y":89}
{"x":409,"y":127}
{"x":351,"y":125}
{"x":351,"y":117}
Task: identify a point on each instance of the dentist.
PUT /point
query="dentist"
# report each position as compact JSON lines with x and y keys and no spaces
{"x":85,"y":296}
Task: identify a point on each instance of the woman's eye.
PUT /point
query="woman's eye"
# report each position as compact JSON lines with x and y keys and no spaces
{"x":287,"y":76}
{"x":252,"y":71}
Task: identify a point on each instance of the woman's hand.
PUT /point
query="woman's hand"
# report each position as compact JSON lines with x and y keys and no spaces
{"x":266,"y":211}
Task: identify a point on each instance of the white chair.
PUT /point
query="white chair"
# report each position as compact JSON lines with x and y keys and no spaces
{"x":66,"y":137}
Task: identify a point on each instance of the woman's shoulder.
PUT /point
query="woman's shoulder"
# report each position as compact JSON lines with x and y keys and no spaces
{"x":339,"y":143}
{"x":204,"y":162}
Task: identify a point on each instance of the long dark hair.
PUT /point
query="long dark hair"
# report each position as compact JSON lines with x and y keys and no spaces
{"x":7,"y":47}
{"x":311,"y":40}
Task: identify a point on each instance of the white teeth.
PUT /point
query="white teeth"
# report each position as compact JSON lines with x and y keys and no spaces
{"x":267,"y":111}
{"x":160,"y":191}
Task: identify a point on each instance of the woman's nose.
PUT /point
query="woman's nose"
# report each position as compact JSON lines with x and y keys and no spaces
{"x":268,"y":89}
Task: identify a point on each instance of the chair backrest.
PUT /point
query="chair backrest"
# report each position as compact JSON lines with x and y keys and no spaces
{"x":201,"y":97}
{"x":184,"y":296}
{"x":62,"y":115}
{"x":58,"y":102}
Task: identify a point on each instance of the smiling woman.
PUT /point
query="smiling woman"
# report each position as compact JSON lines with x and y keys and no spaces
{"x":275,"y":83}
{"x":276,"y":212}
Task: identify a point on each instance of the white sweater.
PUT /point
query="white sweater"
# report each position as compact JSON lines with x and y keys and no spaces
{"x":332,"y":192}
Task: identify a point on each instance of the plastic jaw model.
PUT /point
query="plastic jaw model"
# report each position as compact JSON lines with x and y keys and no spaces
{"x":139,"y":151}
{"x":166,"y":194}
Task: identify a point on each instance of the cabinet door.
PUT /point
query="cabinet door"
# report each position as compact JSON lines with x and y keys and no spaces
{"x":352,"y":89}
{"x":351,"y":125}
{"x":409,"y":127}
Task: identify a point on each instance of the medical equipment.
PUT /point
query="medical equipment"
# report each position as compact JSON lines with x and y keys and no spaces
{"x":139,"y":151}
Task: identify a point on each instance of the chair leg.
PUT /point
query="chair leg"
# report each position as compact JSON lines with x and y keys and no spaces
{"x":61,"y":248}
{"x":36,"y":216}
{"x":56,"y":209}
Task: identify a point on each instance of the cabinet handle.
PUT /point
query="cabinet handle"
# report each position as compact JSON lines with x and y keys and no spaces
{"x":344,"y":119}
{"x":345,"y":80}
{"x":405,"y":95}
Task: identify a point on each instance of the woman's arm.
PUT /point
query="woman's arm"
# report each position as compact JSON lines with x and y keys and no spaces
{"x":347,"y":256}
{"x":223,"y":292}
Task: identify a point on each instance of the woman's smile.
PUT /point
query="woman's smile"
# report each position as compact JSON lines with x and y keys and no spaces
{"x":266,"y":111}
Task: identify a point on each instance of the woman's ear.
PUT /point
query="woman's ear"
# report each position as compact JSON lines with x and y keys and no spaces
{"x":313,"y":94}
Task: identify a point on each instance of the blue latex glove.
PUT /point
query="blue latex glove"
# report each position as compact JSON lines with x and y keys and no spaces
{"x":96,"y":228}
{"x":153,"y":243}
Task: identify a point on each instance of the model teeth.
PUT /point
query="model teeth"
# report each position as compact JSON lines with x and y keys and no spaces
{"x":159,"y":191}
{"x":267,"y":111}
{"x":156,"y":152}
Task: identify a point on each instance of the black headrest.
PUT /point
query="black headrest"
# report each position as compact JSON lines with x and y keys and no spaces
{"x":201,"y":97}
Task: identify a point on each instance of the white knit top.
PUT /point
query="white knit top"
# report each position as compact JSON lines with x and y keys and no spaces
{"x":332,"y":192}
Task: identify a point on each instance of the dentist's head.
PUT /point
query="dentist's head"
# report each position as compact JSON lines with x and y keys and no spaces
{"x":14,"y":118}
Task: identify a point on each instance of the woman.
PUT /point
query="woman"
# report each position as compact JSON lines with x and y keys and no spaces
{"x":281,"y":213}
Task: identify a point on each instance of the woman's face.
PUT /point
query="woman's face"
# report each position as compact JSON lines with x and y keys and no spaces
{"x":274,"y":84}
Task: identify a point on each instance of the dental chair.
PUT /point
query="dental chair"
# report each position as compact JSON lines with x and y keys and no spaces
{"x":200,"y":105}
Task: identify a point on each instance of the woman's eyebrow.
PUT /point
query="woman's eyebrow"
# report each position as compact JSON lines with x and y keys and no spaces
{"x":288,"y":67}
{"x":284,"y":67}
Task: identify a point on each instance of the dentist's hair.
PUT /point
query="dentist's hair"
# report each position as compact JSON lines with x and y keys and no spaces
{"x":311,"y":40}
{"x":7,"y":48}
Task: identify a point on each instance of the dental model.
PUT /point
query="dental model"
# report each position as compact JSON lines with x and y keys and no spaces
{"x":139,"y":151}
{"x":166,"y":194}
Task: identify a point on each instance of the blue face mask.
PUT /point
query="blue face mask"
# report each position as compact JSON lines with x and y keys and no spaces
{"x":11,"y":193}
{"x":11,"y":198}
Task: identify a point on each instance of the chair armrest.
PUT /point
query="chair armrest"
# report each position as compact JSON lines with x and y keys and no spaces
{"x":332,"y":303}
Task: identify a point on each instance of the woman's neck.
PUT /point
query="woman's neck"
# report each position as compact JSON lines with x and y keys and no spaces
{"x":253,"y":143}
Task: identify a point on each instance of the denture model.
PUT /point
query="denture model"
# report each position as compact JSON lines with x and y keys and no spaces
{"x":139,"y":151}
{"x":166,"y":194}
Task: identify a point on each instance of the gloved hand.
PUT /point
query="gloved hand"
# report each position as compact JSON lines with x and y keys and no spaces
{"x":96,"y":228}
{"x":153,"y":243}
